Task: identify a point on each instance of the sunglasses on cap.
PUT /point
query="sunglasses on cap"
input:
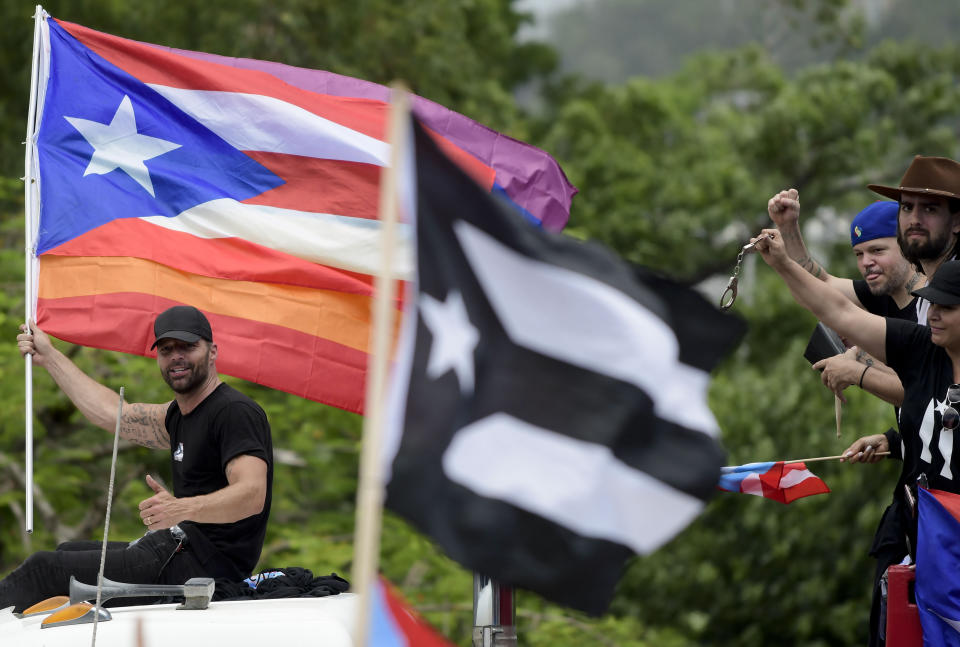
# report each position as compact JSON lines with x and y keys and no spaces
{"x":950,"y":418}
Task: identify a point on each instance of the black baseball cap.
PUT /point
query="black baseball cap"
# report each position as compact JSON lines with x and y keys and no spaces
{"x":185,"y":323}
{"x":944,"y":288}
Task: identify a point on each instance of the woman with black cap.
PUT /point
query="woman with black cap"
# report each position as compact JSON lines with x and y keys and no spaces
{"x":927,"y":361}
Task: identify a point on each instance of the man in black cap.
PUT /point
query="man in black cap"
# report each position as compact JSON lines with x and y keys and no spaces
{"x":221,"y":456}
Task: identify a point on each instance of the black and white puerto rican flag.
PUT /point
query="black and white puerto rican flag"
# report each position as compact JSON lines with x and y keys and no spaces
{"x":548,"y":415}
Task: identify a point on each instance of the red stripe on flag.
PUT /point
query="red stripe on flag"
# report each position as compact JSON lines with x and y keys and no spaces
{"x":321,"y":185}
{"x":415,"y":629}
{"x":225,"y":258}
{"x":809,"y":486}
{"x":157,"y":66}
{"x":776,"y":484}
{"x":162,"y":67}
{"x":274,"y":356}
{"x":949,"y":500}
{"x":770,"y":481}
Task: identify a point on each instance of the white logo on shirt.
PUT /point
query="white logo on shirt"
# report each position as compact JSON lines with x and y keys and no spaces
{"x":178,"y":454}
{"x":944,"y":444}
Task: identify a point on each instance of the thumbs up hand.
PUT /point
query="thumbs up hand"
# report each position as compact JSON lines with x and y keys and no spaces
{"x":162,"y":510}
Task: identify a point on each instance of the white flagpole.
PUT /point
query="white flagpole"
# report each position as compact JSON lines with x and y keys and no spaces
{"x":30,"y":215}
{"x":366,"y":548}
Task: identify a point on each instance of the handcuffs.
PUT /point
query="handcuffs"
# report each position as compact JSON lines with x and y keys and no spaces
{"x":735,"y":279}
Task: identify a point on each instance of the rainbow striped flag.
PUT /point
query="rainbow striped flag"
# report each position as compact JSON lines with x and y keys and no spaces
{"x":244,"y":188}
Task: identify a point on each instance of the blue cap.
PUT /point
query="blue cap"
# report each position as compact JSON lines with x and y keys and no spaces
{"x":879,"y":220}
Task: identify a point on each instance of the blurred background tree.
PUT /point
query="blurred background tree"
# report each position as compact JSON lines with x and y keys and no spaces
{"x":677,"y":121}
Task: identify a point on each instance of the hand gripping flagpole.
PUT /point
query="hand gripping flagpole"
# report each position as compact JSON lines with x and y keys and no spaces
{"x":30,"y":217}
{"x":366,"y":547}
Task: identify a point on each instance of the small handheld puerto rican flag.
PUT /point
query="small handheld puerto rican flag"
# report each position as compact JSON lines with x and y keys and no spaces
{"x":783,"y":482}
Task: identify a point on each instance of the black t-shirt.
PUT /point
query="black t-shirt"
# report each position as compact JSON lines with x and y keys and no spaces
{"x":225,"y":425}
{"x":926,"y":372}
{"x":884,"y":306}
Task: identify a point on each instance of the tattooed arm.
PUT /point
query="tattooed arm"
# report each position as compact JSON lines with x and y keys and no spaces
{"x":857,"y":368}
{"x":142,"y":423}
{"x":784,"y":210}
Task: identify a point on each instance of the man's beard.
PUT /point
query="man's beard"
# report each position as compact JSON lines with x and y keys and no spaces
{"x":895,"y":279}
{"x":198,"y":375}
{"x":930,"y":249}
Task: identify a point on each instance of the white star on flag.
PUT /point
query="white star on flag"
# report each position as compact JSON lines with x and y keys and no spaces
{"x":118,"y":145}
{"x":454,"y":338}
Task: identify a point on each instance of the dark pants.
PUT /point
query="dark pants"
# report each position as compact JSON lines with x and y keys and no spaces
{"x":47,"y":573}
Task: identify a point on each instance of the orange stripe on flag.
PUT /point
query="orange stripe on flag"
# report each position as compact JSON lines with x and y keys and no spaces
{"x":226,"y":258}
{"x":339,"y":317}
{"x":274,"y":356}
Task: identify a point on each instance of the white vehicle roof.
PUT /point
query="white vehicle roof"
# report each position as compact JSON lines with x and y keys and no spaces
{"x":326,"y":621}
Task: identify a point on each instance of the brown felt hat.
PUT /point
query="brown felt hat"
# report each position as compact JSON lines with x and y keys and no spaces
{"x":931,"y":175}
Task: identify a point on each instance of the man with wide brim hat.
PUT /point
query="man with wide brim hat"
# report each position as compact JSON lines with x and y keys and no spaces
{"x":929,"y":197}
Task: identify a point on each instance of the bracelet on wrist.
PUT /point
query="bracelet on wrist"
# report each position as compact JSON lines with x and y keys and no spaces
{"x":860,"y":384}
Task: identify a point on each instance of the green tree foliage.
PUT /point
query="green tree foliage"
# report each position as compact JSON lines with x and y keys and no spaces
{"x":674,"y":173}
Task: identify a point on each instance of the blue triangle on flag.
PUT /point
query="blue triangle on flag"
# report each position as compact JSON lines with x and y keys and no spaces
{"x":85,"y":89}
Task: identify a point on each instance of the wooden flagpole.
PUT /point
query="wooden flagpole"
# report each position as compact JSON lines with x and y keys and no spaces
{"x":30,"y":190}
{"x":828,"y":458}
{"x":837,"y":411}
{"x":366,"y":548}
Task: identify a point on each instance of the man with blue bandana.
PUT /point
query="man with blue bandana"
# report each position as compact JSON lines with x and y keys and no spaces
{"x":888,"y":279}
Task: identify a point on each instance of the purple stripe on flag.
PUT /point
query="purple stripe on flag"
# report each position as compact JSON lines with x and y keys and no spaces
{"x":528,"y":175}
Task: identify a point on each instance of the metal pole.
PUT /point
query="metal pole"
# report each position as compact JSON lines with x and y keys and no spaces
{"x":29,"y":218}
{"x":494,"y":613}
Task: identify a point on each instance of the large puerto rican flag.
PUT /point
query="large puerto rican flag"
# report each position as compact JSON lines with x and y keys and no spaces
{"x":247,"y":189}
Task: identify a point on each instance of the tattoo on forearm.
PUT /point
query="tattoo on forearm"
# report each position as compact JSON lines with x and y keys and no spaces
{"x":810,"y":266}
{"x":143,"y":424}
{"x":864,"y":357}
